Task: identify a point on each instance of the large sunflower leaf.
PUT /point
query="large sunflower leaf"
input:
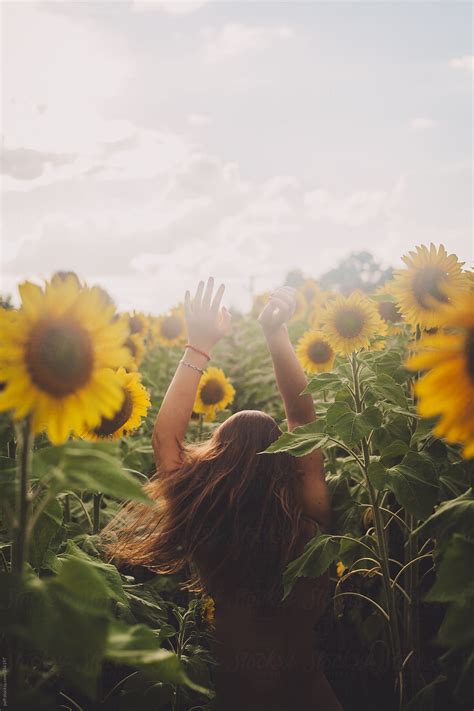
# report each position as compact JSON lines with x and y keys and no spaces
{"x":385,"y":388}
{"x":454,"y":516}
{"x":138,"y":646}
{"x":351,"y":426}
{"x":414,"y":483}
{"x":317,"y":556}
{"x":46,"y":528}
{"x":455,"y":574}
{"x":79,"y":466}
{"x":303,"y":440}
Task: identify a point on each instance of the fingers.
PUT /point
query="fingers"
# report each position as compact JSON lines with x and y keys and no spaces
{"x":187,"y":304}
{"x":217,"y":299}
{"x":279,"y":309}
{"x":198,"y":297}
{"x":206,"y":302}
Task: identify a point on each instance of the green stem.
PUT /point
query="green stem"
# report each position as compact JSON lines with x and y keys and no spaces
{"x":67,"y":509}
{"x":97,"y":500}
{"x":394,"y":631}
{"x":19,"y":552}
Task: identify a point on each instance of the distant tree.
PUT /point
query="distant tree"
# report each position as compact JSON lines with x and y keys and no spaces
{"x":357,"y":271}
{"x":295,"y":278}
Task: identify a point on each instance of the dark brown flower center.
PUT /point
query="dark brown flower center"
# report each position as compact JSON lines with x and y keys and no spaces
{"x":212,"y":392}
{"x":470,"y":353}
{"x":427,"y":286}
{"x":171,"y":327}
{"x":59,"y":357}
{"x":349,"y":322}
{"x":108,"y":426}
{"x":319,"y":352}
{"x":388,"y":311}
{"x":135,"y":324}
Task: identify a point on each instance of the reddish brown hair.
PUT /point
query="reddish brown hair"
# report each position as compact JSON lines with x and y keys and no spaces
{"x":228,"y":515}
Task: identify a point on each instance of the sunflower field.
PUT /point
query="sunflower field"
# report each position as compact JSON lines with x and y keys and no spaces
{"x":392,"y":376}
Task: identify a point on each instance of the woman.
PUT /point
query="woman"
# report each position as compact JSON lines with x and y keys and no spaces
{"x":235,"y":517}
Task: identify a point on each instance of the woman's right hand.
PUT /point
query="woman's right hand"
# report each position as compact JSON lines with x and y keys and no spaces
{"x":278,"y":311}
{"x":206,"y":321}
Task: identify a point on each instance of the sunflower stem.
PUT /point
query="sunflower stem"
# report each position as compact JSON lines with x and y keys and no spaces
{"x":394,"y":631}
{"x":19,"y":551}
{"x":19,"y":540}
{"x":97,"y":500}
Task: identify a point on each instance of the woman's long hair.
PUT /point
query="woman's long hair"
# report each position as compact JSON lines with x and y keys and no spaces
{"x":228,"y":515}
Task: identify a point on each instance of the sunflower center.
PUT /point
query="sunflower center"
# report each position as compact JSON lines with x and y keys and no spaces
{"x":426,"y":286}
{"x":470,"y":353}
{"x":388,"y":311}
{"x":59,"y":357}
{"x":212,"y":392}
{"x":109,"y":426}
{"x":319,"y":352}
{"x":171,"y":327}
{"x":349,"y":323}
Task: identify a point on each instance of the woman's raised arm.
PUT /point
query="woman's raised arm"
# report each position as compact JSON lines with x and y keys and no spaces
{"x":206,"y":323}
{"x":299,"y":408}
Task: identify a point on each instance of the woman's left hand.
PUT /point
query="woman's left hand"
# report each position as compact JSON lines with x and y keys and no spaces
{"x":206,"y":321}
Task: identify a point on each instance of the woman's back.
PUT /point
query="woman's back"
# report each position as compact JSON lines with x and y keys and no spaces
{"x":266,"y":649}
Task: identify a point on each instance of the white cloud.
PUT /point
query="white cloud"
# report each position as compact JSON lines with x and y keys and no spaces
{"x":235,"y":39}
{"x":465,"y":63}
{"x":199,"y":120}
{"x":421,"y":123}
{"x":170,"y":7}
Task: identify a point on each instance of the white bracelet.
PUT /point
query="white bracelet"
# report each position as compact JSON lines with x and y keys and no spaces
{"x":190,"y":365}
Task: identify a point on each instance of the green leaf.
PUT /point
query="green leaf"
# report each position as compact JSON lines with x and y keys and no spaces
{"x":414,"y":483}
{"x":79,"y":466}
{"x":455,"y":574}
{"x":424,"y":700}
{"x":64,"y":617}
{"x":109,"y":573}
{"x":350,"y":426}
{"x":322,"y":382}
{"x":457,"y":629}
{"x":377,"y":474}
{"x":137,"y":646}
{"x":317,"y":556}
{"x":387,"y":389}
{"x":394,"y":449}
{"x":45,"y":530}
{"x":303,"y":440}
{"x":454,"y":516}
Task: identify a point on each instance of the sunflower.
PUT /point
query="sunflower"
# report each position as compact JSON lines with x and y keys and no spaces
{"x":136,"y":402}
{"x":311,"y":292}
{"x":214,"y":393}
{"x":350,"y":322}
{"x":314,"y":352}
{"x":138,"y":323}
{"x":136,"y":350}
{"x":57,"y":357}
{"x":421,"y":289}
{"x":301,"y":307}
{"x":170,"y":329}
{"x":447,"y":389}
{"x":209,"y":610}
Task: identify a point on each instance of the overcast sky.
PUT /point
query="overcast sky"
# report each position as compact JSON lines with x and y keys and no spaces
{"x":150,"y":143}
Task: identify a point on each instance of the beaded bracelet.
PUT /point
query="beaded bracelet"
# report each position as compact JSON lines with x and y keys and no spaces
{"x":194,"y":367}
{"x":198,"y":350}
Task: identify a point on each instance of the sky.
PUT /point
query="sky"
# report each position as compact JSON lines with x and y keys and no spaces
{"x":150,"y":143}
